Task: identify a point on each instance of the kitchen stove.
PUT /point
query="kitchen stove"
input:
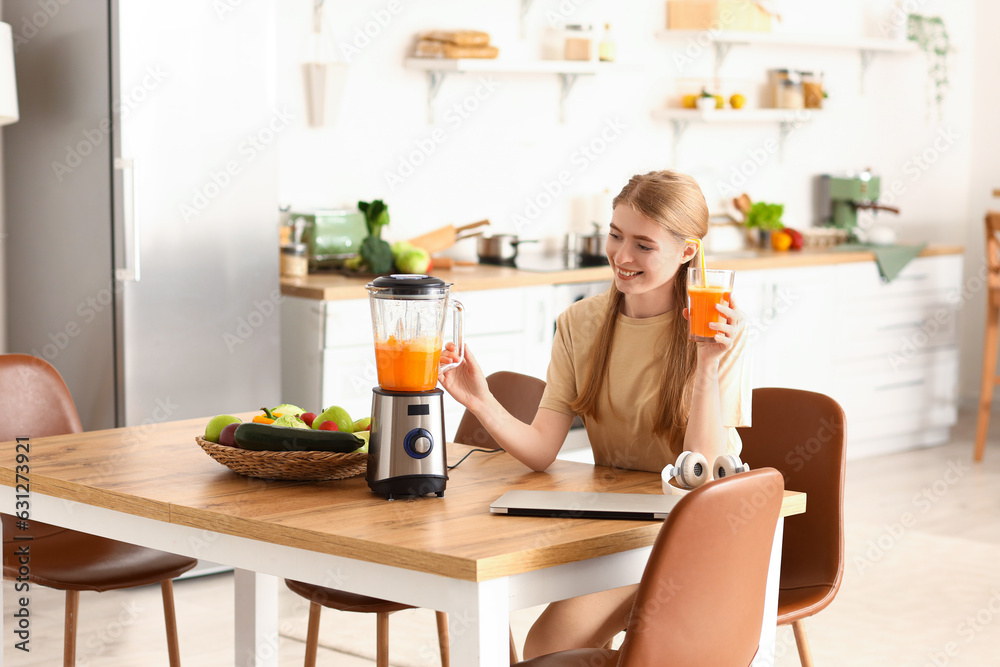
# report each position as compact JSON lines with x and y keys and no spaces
{"x":539,"y":263}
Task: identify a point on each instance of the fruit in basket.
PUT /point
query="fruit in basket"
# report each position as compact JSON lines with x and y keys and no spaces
{"x":266,"y":438}
{"x":216,"y":424}
{"x":228,"y":435}
{"x":287,"y":409}
{"x":363,"y":435}
{"x":338,"y":415}
{"x":308,"y":418}
{"x":328,"y":426}
{"x":364,"y":424}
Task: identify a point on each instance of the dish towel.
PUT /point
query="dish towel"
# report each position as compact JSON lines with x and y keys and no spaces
{"x":891,"y":259}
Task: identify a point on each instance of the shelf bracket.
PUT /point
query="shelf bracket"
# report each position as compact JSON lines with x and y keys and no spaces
{"x":680,"y":127}
{"x":566,"y":82}
{"x":525,"y":7}
{"x":784,"y":130}
{"x":722,"y":50}
{"x":434,"y":80}
{"x":867,"y":57}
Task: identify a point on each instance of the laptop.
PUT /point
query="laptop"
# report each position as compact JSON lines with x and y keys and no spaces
{"x":585,"y":505}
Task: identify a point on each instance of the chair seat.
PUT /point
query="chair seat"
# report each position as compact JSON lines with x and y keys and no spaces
{"x":71,"y":561}
{"x":798,"y":603}
{"x":344,"y":601}
{"x":587,"y":657}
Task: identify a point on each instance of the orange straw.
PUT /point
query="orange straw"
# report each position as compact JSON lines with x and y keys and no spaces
{"x":701,"y":253}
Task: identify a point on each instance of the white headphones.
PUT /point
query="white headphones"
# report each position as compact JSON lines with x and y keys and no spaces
{"x":691,"y":471}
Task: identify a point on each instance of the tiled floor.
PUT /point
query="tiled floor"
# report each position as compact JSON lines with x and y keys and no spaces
{"x":921,"y":588}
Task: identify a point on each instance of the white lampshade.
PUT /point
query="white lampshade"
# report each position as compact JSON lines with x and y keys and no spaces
{"x":8,"y":85}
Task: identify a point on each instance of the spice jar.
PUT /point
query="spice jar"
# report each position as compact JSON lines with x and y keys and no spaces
{"x":607,"y":51}
{"x":775,"y":77}
{"x":294,"y":260}
{"x":812,"y":90}
{"x":579,"y":42}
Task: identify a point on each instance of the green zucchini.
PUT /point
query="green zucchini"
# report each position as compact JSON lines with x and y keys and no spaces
{"x":268,"y":438}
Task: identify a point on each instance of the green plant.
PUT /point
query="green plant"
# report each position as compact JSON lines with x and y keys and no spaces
{"x":376,"y":254}
{"x":931,"y":36}
{"x":765,"y":216}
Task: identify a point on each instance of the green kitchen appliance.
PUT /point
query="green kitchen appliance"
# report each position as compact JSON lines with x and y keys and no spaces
{"x":332,"y":235}
{"x":841,"y":196}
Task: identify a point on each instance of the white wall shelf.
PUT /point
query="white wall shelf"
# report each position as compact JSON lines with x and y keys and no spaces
{"x":568,"y":71}
{"x":786,"y":119}
{"x":723,"y":41}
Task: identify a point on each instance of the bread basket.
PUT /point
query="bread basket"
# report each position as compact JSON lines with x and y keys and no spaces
{"x":292,"y":466}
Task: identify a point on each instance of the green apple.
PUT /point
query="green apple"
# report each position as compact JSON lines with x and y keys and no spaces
{"x":288,"y":409}
{"x":363,"y":424}
{"x":338,"y":416}
{"x":216,"y":424}
{"x":364,"y":435}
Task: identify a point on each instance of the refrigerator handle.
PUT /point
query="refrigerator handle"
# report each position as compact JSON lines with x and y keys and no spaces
{"x":130,"y":268}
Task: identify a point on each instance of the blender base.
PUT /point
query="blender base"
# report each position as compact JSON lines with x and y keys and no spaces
{"x":409,"y":486}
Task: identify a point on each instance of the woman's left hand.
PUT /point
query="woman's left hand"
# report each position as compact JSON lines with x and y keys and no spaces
{"x":726,"y":332}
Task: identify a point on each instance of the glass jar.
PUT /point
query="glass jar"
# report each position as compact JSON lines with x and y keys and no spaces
{"x":294,"y":260}
{"x":812,"y":90}
{"x":580,"y":42}
{"x":790,"y":95}
{"x":775,"y":77}
{"x":607,"y":51}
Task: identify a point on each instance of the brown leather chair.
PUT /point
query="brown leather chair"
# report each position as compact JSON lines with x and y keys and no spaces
{"x":35,"y":402}
{"x":992,"y":337}
{"x":520,"y":395}
{"x":701,"y":597}
{"x":801,"y":434}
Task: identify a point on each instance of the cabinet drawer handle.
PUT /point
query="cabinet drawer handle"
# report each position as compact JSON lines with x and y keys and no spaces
{"x":903,"y":325}
{"x":901,"y":385}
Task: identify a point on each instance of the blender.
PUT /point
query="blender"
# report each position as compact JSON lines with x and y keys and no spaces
{"x":406,"y":451}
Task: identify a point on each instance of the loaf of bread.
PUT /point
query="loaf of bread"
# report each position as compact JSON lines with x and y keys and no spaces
{"x":429,"y":48}
{"x":459,"y":37}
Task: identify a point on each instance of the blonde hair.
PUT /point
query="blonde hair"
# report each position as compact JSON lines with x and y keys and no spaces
{"x":676,"y":203}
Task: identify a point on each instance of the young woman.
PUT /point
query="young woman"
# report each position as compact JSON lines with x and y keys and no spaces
{"x":622,"y":361}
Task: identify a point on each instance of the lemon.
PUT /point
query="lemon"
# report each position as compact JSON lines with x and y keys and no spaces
{"x":689,"y":101}
{"x":737,"y":101}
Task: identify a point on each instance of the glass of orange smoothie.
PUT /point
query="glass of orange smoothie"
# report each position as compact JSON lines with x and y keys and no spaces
{"x":706,"y":288}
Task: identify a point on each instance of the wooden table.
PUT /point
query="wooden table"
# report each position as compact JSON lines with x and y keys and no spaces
{"x":153,"y":486}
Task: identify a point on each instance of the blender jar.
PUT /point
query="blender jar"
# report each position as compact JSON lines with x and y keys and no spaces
{"x":408,"y":313}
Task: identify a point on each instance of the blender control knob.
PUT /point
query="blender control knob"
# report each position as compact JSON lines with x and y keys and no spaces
{"x":418,"y":443}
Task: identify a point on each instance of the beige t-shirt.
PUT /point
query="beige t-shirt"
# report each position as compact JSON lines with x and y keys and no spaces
{"x":623,"y":437}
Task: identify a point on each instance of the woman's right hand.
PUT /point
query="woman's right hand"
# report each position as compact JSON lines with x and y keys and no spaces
{"x":465,"y":382}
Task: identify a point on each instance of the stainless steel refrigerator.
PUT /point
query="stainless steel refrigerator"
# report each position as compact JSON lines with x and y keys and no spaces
{"x":140,"y":188}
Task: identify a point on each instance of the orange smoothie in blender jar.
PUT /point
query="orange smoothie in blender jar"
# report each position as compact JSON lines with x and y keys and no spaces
{"x":701,"y":309}
{"x":407,"y":365}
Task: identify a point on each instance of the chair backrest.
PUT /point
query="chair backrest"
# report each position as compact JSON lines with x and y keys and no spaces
{"x":701,"y":598}
{"x":518,"y":394}
{"x":34,"y":400}
{"x":802,"y":435}
{"x":993,"y":252}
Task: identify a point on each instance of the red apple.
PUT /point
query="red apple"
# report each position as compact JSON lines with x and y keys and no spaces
{"x":308,"y":417}
{"x":328,"y":426}
{"x":797,"y":240}
{"x":228,"y":435}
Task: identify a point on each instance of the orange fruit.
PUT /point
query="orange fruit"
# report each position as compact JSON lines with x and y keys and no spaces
{"x":781,"y":241}
{"x":689,"y":101}
{"x":737,"y":101}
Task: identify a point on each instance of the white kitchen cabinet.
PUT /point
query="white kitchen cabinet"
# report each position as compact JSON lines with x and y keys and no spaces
{"x":328,"y":357}
{"x":887,"y":352}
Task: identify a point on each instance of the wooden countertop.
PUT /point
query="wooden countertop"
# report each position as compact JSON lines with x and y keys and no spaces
{"x":334,"y":287}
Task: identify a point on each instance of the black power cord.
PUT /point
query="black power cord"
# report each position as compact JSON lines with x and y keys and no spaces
{"x":488,"y":451}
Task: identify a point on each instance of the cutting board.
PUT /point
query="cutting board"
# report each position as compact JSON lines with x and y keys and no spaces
{"x":445,"y":237}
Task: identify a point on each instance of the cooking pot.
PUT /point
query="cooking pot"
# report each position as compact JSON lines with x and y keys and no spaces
{"x":499,"y":248}
{"x":590,"y":247}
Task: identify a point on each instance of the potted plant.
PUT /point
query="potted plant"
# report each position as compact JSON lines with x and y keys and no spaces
{"x":930,"y":34}
{"x":762,"y":219}
{"x":706,"y":100}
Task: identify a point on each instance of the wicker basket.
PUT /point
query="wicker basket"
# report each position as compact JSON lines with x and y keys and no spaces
{"x":295,"y":466}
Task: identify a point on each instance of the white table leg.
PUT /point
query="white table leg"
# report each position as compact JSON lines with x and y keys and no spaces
{"x":256,"y":619}
{"x":768,"y":629}
{"x":480,"y":631}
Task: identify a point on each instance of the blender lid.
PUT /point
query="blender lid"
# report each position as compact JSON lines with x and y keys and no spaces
{"x":407,"y":284}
